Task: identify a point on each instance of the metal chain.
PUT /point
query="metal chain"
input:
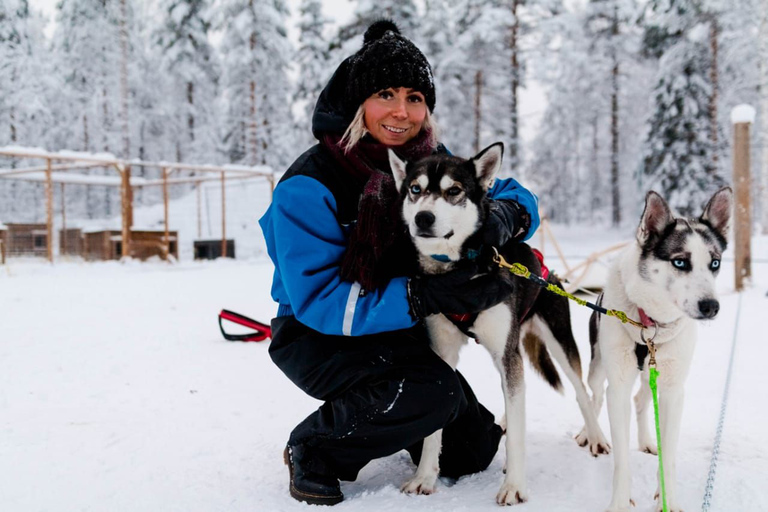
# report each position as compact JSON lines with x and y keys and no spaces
{"x":719,"y":433}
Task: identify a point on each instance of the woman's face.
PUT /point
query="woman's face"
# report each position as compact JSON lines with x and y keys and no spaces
{"x":394,"y":116}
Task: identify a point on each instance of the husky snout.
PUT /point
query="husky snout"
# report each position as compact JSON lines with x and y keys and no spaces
{"x":709,"y":308}
{"x":425,"y":221}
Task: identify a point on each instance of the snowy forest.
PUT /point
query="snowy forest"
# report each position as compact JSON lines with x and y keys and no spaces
{"x":637,"y":92}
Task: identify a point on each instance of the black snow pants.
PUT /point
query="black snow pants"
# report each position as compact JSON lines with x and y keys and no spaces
{"x":383,"y":393}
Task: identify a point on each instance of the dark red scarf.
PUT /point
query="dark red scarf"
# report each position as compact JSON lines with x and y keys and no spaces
{"x":379,"y":247}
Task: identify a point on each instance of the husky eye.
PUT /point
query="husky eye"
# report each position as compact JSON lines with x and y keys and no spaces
{"x":453,"y":191}
{"x":681,"y":264}
{"x":714,"y":265}
{"x":415,"y":190}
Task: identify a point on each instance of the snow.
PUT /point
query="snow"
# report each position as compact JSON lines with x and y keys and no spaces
{"x":743,"y":114}
{"x":117,"y":392}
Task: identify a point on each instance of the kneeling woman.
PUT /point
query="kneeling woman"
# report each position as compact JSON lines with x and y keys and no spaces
{"x":346,"y":330}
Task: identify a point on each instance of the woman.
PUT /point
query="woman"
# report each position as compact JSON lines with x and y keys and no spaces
{"x":348,"y":328}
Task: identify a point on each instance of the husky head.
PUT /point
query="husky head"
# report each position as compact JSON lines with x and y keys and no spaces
{"x":680,"y":258}
{"x":443,"y":198}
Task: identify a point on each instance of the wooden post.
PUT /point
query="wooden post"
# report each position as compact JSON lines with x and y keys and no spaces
{"x":63,"y":222}
{"x":166,"y":238}
{"x":742,"y":117}
{"x":125,"y":190}
{"x":49,"y":208}
{"x":199,"y":212}
{"x":223,"y":217}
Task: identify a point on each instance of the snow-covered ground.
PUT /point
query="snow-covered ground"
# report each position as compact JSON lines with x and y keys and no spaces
{"x":117,"y":393}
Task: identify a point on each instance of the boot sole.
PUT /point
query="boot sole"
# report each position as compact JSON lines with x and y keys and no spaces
{"x":311,"y":499}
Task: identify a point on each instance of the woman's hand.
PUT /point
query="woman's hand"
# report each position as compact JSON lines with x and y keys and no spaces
{"x":506,"y":220}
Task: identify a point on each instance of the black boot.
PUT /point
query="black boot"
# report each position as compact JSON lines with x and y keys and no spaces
{"x":307,"y":483}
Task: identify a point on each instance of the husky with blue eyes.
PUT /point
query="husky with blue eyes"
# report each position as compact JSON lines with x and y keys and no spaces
{"x":667,"y":280}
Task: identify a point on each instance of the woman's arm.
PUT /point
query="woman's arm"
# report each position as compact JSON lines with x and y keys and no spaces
{"x":306,"y":244}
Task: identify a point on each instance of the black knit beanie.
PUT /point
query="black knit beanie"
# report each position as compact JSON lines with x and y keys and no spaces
{"x":387,"y":59}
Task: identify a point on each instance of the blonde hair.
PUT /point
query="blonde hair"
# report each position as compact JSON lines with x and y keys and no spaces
{"x":357,"y":130}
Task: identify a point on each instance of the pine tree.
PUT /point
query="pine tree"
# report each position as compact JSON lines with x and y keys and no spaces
{"x":256,"y":51}
{"x":313,"y":61}
{"x":25,"y":117}
{"x":680,"y":151}
{"x":190,"y":61}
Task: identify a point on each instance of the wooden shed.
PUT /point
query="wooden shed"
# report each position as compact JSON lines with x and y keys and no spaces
{"x":108,"y":245}
{"x":25,"y":240}
{"x":71,"y":242}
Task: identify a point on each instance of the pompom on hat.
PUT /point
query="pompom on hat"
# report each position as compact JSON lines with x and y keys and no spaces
{"x":387,"y":59}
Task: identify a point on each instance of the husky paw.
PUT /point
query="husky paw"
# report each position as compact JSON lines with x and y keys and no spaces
{"x":648,"y":446}
{"x":671,"y":507}
{"x":597,"y":446}
{"x":420,"y":484}
{"x":511,"y":494}
{"x":613,"y":508}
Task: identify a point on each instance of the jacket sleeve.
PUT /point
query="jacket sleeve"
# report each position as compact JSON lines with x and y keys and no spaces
{"x":511,"y":189}
{"x":307,"y":244}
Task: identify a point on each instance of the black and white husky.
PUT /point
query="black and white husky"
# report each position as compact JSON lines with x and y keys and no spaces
{"x":451,"y":193}
{"x":666,"y":279}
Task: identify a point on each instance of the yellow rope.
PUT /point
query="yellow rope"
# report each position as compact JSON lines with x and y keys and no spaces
{"x":521,"y":270}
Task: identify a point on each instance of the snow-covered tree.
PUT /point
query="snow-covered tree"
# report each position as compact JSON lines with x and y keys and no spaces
{"x":313,"y":61}
{"x":680,"y":159}
{"x":190,"y":61}
{"x":256,"y":52}
{"x":24,"y":113}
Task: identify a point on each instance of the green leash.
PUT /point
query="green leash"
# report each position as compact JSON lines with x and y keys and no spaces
{"x":654,"y":374}
{"x":521,"y":270}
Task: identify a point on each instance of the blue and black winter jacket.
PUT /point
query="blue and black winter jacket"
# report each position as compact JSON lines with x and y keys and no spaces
{"x":307,"y":228}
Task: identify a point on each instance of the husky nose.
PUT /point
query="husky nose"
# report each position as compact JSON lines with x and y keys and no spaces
{"x":709,"y":308}
{"x":425,"y":220}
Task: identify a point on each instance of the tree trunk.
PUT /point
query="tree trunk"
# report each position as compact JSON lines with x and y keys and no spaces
{"x":714,"y":31}
{"x":124,"y":80}
{"x":763,"y":95}
{"x":513,"y":138}
{"x":478,"y":96}
{"x":191,"y":116}
{"x":253,"y":142}
{"x":616,"y":203}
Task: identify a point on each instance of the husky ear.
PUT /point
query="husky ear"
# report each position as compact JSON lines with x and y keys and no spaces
{"x":656,"y":217}
{"x":487,"y":163}
{"x":717,"y":213}
{"x":398,"y":168}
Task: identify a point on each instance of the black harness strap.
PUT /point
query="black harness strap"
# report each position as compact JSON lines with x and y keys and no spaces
{"x":641,"y":352}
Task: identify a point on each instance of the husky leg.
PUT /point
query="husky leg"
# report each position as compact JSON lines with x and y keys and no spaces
{"x":446,"y":341}
{"x":596,"y":381}
{"x":423,"y":482}
{"x":671,"y":410}
{"x":620,"y":412}
{"x":645,"y":440}
{"x":513,"y":489}
{"x":593,"y":435}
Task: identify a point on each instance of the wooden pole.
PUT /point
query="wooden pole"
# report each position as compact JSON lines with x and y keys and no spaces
{"x":742,"y":117}
{"x":478,"y":100}
{"x":166,"y":237}
{"x":63,"y":222}
{"x":125,"y":195}
{"x":49,"y":209}
{"x":199,"y":212}
{"x":223,"y":217}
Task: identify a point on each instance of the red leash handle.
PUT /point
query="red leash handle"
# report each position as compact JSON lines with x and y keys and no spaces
{"x":263,"y":331}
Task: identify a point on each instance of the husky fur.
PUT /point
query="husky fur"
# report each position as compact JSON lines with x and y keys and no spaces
{"x":669,"y":273}
{"x":444,"y":204}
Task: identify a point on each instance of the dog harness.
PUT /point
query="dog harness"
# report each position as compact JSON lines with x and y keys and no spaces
{"x":463,"y":322}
